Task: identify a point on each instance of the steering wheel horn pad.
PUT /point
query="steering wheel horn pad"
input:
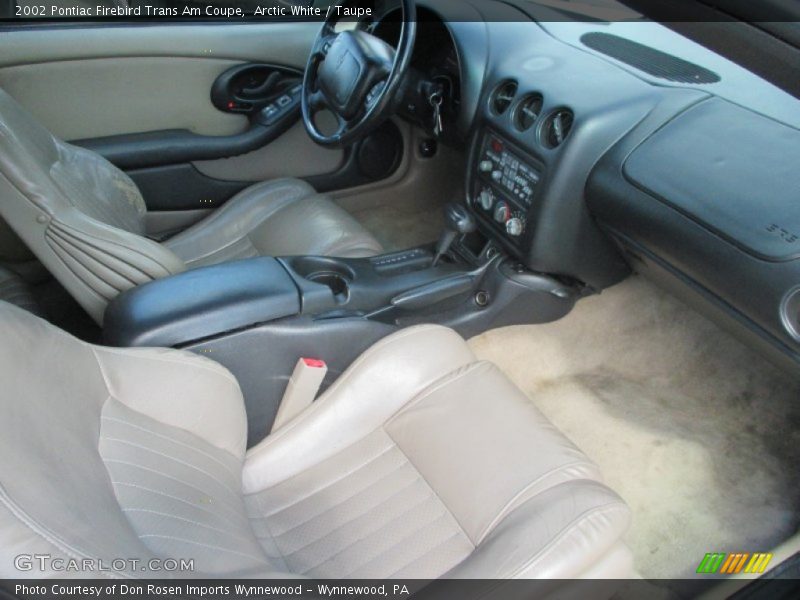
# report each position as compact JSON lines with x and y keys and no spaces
{"x":353,"y":65}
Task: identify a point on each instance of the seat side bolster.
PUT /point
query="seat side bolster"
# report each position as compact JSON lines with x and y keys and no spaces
{"x":179,"y":389}
{"x":22,"y":537}
{"x":561,"y":533}
{"x":478,"y":417}
{"x":380,"y":382}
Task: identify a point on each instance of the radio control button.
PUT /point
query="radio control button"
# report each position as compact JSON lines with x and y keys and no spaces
{"x":485,"y":166}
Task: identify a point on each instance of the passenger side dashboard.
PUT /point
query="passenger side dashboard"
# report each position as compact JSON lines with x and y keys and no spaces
{"x":590,"y":157}
{"x":707,"y":204}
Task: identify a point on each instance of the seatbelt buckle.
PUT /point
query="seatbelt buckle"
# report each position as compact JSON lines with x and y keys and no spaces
{"x":303,"y":386}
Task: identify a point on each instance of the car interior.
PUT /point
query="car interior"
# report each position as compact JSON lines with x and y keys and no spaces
{"x":456,"y":289}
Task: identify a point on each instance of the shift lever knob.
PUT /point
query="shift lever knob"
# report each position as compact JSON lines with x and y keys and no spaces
{"x":457,"y":221}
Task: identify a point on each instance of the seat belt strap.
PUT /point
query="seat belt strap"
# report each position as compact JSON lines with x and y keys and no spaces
{"x":303,"y":386}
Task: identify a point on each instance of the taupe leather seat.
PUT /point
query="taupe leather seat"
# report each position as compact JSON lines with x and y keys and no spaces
{"x":418,"y":462}
{"x":84,"y":218}
{"x":14,"y":290}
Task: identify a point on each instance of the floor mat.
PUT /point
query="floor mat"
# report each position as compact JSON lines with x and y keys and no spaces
{"x":697,"y":433}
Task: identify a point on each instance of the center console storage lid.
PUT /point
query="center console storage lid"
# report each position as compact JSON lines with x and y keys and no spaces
{"x":201,"y":303}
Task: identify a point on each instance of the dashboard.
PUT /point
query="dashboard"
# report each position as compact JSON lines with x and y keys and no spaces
{"x":593,"y":149}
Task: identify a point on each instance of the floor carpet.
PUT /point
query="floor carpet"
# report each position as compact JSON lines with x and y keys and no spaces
{"x":697,"y":433}
{"x":400,"y":228}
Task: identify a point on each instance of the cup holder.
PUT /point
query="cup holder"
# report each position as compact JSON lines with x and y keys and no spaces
{"x":338,"y":285}
{"x":328,"y":272}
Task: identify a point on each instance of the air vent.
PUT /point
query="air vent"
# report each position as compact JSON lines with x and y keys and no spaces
{"x":503,"y":96}
{"x":656,"y":63}
{"x":556,"y":127}
{"x":527,"y":111}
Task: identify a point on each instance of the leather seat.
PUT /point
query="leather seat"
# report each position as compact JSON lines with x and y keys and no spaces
{"x":14,"y":290}
{"x":418,"y":462}
{"x":285,"y":217}
{"x":85,"y":219}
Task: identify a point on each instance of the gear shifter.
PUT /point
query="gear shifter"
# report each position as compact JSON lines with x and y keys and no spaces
{"x":457,"y":221}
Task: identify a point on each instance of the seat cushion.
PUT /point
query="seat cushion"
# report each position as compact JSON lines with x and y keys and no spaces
{"x":421,"y":462}
{"x":285,"y":217}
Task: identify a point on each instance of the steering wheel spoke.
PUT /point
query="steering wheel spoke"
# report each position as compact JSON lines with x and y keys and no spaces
{"x":317,"y":101}
{"x":343,"y":125}
{"x":323,"y":43}
{"x":375,"y":93}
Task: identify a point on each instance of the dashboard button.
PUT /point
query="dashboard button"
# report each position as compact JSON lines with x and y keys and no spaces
{"x":486,"y":199}
{"x":501,"y":212}
{"x":514,"y":226}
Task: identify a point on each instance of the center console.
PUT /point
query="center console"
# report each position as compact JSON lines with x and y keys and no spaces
{"x":503,"y":187}
{"x":258,"y":316}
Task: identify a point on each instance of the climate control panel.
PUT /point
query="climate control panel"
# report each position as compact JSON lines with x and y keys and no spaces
{"x":504,"y":187}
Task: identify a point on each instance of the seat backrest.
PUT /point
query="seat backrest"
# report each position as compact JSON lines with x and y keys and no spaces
{"x":119,"y":454}
{"x":81,"y":216}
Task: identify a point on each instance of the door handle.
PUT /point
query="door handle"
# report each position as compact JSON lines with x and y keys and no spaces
{"x":263,"y":89}
{"x":249,"y":87}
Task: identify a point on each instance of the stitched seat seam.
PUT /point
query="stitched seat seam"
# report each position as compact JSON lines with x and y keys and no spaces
{"x":504,"y":512}
{"x":227,"y":486}
{"x":433,"y":491}
{"x":174,"y":441}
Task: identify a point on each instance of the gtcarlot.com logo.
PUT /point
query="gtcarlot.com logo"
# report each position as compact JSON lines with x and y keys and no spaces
{"x":49,"y":563}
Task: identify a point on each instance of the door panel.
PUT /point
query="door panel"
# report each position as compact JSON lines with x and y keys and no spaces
{"x":112,"y":81}
{"x":122,"y":89}
{"x":117,"y":80}
{"x":295,"y":154}
{"x":108,"y":96}
{"x":280,"y":43}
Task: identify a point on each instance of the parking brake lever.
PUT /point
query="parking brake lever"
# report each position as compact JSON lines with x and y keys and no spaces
{"x":457,"y":221}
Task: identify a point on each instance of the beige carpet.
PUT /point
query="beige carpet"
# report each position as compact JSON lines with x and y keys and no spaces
{"x":403,"y":227}
{"x":696,"y":432}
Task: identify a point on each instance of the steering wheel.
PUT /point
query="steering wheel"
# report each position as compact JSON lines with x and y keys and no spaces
{"x":355,"y":76}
